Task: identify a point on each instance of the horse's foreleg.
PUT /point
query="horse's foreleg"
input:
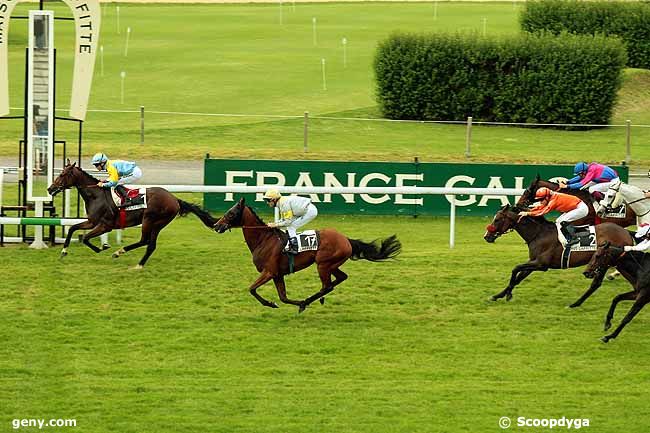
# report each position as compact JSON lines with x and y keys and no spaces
{"x":96,"y":231}
{"x":81,"y":226}
{"x":262,"y":279}
{"x":282,"y":291}
{"x":641,"y":300}
{"x":595,"y":284}
{"x":519,"y":273}
{"x":628,"y":296}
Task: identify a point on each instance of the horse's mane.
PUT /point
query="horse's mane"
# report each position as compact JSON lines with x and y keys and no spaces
{"x":260,"y":220}
{"x":87,"y":175}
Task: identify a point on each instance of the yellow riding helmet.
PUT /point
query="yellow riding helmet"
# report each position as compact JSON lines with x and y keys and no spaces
{"x":272,"y":194}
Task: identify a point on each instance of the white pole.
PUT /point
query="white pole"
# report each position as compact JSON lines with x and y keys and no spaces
{"x":123,"y":76}
{"x":66,"y":209}
{"x":345,"y":52}
{"x":322,"y":61}
{"x":484,"y":26}
{"x":435,"y":11}
{"x":101,"y":59}
{"x":38,"y":230}
{"x":294,"y":5}
{"x":313,"y":29}
{"x":452,"y":223}
{"x":126,"y":46}
{"x":2,"y":179}
{"x":103,"y":239}
{"x":118,"y":236}
{"x":118,"y":19}
{"x":281,"y":17}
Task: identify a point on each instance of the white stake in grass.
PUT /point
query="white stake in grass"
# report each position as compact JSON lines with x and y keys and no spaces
{"x":281,"y":13}
{"x":322,"y":62}
{"x":126,"y":45}
{"x":313,"y":29}
{"x":117,"y":14}
{"x":484,"y":26}
{"x":122,"y":76}
{"x":435,"y":10}
{"x":101,"y":59}
{"x":345,"y":52}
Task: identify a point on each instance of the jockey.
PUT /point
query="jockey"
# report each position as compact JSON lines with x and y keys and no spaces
{"x":643,"y":235}
{"x":572,"y":207}
{"x":295,"y":212}
{"x":119,"y":173}
{"x":596,"y":177}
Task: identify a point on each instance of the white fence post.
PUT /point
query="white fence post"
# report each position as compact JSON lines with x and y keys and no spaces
{"x":468,"y":138}
{"x":628,"y":141}
{"x":452,"y":223}
{"x":38,"y":230}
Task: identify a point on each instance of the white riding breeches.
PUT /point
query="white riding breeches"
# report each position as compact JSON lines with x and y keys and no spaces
{"x":580,"y":211}
{"x":309,"y":215}
{"x":602,"y":187}
{"x":135,"y":175}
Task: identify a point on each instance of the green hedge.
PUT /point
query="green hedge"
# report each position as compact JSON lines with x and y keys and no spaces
{"x":529,"y":78}
{"x":629,"y":21}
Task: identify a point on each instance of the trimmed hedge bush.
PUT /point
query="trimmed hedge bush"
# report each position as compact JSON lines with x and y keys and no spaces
{"x":629,"y":21}
{"x":530,"y":78}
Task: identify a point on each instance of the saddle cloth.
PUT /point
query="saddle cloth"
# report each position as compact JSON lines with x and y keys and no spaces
{"x":308,"y":241}
{"x":618,"y":212}
{"x":132,"y":193}
{"x":586,"y":235}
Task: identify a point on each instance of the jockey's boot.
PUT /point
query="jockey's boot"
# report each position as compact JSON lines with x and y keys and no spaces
{"x":121,"y":191}
{"x":292,"y":245}
{"x":569,"y":233}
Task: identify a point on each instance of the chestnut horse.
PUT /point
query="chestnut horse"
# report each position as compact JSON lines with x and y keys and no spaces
{"x":266,"y":245}
{"x":104,"y":216}
{"x":544,"y":249}
{"x":635,"y":267}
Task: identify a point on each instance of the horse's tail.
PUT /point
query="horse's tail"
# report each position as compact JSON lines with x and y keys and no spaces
{"x":377,"y":250}
{"x":186,"y":208}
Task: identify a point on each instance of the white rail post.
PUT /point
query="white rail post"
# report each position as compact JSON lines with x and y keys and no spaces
{"x":452,"y":223}
{"x":468,"y":138}
{"x":2,"y":179}
{"x":305,"y":137}
{"x":38,"y":230}
{"x":628,"y":141}
{"x":141,"y":124}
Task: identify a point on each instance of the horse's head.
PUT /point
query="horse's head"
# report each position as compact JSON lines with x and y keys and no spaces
{"x":504,"y":221}
{"x":67,"y":179}
{"x":612,"y":198}
{"x":605,"y":256}
{"x":528,"y":196}
{"x":232,"y":218}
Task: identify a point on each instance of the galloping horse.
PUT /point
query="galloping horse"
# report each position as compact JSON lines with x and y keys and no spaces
{"x":635,"y":267}
{"x":528,"y":197}
{"x":544,"y":249}
{"x":620,"y":192}
{"x":104,"y":216}
{"x":266,"y":245}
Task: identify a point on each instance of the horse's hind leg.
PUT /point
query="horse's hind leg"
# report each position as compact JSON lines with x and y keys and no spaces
{"x":151,"y":246}
{"x":144,"y":240}
{"x":627,"y":296}
{"x":595,"y":284}
{"x":325,"y":271}
{"x":641,"y":300}
{"x":282,"y":291}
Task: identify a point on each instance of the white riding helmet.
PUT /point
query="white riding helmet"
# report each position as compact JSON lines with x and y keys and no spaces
{"x":99,"y":158}
{"x":271,"y":194}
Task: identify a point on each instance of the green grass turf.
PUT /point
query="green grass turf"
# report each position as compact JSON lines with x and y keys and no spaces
{"x":239,"y":59}
{"x":405,"y":346}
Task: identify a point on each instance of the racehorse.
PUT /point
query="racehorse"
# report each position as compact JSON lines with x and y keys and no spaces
{"x":635,"y":267}
{"x":104,"y":216}
{"x":544,"y":249}
{"x":266,"y":245}
{"x":620,"y":192}
{"x":528,"y":197}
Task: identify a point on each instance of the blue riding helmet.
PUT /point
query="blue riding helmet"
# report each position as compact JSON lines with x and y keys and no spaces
{"x":99,"y":158}
{"x":580,"y":168}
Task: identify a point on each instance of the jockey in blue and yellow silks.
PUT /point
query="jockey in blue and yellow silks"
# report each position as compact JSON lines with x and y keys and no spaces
{"x":119,"y":173}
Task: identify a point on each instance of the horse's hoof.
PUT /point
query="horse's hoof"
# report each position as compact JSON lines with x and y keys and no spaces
{"x":115,"y":255}
{"x":63,"y":254}
{"x":137,"y":267}
{"x":105,"y":247}
{"x":273,"y":305}
{"x":607,"y":326}
{"x":610,"y":278}
{"x":322,"y":300}
{"x":508,"y":297}
{"x":493,"y":298}
{"x":574,"y":305}
{"x":302,"y":308}
{"x":604,"y":339}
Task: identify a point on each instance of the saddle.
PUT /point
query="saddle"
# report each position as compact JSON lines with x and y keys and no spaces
{"x":587,"y":241}
{"x":137,"y":199}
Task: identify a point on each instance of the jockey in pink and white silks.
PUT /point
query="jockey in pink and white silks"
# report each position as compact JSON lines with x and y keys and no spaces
{"x":295,"y":212}
{"x":595,"y":177}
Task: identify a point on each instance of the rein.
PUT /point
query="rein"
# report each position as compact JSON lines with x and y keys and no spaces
{"x":256,"y":227}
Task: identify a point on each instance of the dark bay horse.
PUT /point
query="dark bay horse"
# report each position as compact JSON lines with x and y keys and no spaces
{"x":544,"y":248}
{"x":635,"y":267}
{"x":104,"y":216}
{"x":528,"y":197}
{"x":266,"y":245}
